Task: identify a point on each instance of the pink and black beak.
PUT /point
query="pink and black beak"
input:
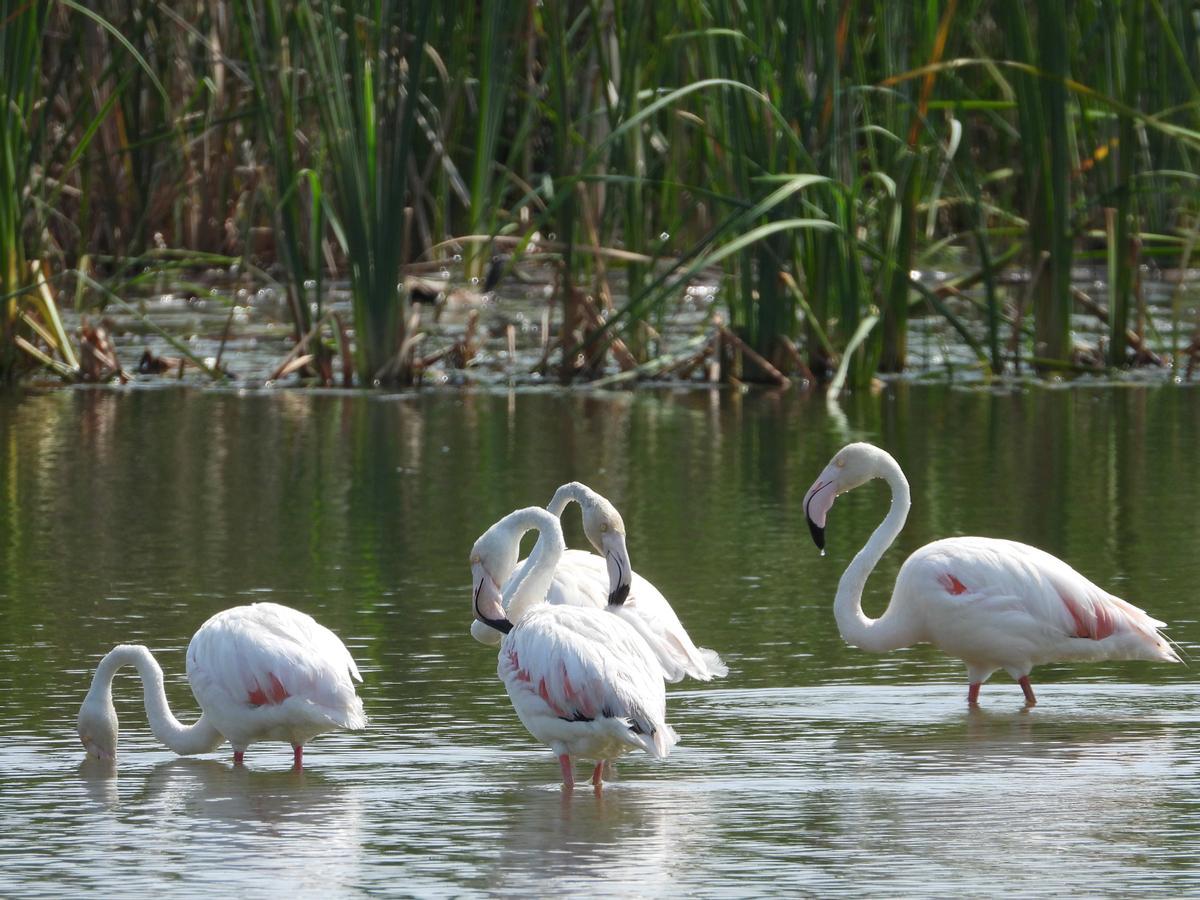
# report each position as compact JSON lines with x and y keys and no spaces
{"x":817,"y":502}
{"x":488,"y":601}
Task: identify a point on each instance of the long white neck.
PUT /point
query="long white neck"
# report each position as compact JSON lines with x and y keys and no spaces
{"x":200,"y":737}
{"x":532,"y":584}
{"x":573,"y":491}
{"x":893,"y":629}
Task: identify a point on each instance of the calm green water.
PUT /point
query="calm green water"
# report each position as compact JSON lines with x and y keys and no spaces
{"x":813,"y":768}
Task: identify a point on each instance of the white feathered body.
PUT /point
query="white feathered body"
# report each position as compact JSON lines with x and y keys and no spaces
{"x":583,"y":682}
{"x":268,"y":672}
{"x":581,"y":579}
{"x":1000,"y":604}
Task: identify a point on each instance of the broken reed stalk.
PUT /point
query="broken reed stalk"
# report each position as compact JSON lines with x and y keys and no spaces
{"x":1132,"y":338}
{"x":286,"y":366}
{"x":624,"y":358}
{"x":754,"y":356}
{"x":1014,"y":346}
{"x":225,"y":336}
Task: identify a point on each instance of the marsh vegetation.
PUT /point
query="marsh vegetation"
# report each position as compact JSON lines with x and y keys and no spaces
{"x":834,"y":170}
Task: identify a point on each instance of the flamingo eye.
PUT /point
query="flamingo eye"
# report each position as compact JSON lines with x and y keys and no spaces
{"x":475,"y":560}
{"x":604,"y":526}
{"x":840,"y":463}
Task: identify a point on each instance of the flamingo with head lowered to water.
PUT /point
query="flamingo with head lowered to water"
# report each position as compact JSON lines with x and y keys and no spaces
{"x":994,"y":604}
{"x":262,"y":672}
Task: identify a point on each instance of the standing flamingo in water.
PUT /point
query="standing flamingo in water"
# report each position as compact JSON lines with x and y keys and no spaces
{"x":262,"y":672}
{"x":581,"y":680}
{"x":608,"y":580}
{"x":994,"y":604}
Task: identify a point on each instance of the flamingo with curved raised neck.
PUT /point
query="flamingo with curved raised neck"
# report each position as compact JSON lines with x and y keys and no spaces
{"x":994,"y":604}
{"x":259,"y":672}
{"x":581,"y":680}
{"x":608,"y":581}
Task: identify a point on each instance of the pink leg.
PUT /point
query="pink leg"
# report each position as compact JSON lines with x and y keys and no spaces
{"x":973,"y":693}
{"x":598,"y":773}
{"x":239,"y":756}
{"x":1030,"y":700}
{"x":297,"y":756}
{"x":567,"y":772}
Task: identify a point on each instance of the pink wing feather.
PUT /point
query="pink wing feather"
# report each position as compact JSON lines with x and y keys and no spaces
{"x":264,"y":654}
{"x":1007,"y":575}
{"x":583,"y":663}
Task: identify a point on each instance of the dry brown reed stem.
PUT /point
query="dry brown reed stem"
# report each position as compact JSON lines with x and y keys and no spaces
{"x":624,"y":358}
{"x":684,"y":369}
{"x":790,"y":351}
{"x":294,"y":365}
{"x":773,"y":373}
{"x":1134,"y":339}
{"x":589,"y":221}
{"x":343,"y":340}
{"x":401,"y":365}
{"x":1014,"y":346}
{"x":98,"y":360}
{"x":939,"y":48}
{"x":460,"y":351}
{"x":285,"y":367}
{"x":544,"y":246}
{"x":225,"y":336}
{"x":843,"y":32}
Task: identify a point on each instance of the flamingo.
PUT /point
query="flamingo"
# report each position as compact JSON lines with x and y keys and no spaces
{"x":994,"y":604}
{"x":608,"y":580}
{"x":262,"y":672}
{"x":582,"y":681}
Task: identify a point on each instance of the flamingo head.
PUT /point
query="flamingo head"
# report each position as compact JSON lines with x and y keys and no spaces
{"x":605,"y":530}
{"x":493,"y":559}
{"x":853,"y":465}
{"x":97,"y":725}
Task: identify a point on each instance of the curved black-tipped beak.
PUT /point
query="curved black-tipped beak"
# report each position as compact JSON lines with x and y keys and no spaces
{"x":816,"y":505}
{"x":488,"y":606}
{"x":620,"y":573}
{"x":817,"y":532}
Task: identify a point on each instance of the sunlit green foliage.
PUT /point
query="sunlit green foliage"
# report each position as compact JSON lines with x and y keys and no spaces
{"x":809,"y":154}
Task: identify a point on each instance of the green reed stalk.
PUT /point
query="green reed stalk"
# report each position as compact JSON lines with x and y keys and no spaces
{"x":497,"y":35}
{"x":270,"y":37}
{"x":1042,"y":117}
{"x":562,"y":89}
{"x":750,"y":47}
{"x":22,"y":30}
{"x":367,"y":60}
{"x":1121,"y":288}
{"x":928,"y":43}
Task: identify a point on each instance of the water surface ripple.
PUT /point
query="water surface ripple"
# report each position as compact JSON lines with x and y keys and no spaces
{"x":813,"y":769}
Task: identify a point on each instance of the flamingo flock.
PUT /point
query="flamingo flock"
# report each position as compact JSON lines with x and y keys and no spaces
{"x":586,"y":646}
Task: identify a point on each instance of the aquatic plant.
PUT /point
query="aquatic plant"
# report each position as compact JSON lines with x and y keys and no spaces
{"x":30,"y":328}
{"x":813,"y":158}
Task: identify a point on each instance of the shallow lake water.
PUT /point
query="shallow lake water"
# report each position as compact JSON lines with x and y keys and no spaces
{"x":132,"y":516}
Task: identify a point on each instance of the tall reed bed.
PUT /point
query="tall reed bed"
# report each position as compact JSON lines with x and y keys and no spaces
{"x":31,"y":332}
{"x":813,"y":156}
